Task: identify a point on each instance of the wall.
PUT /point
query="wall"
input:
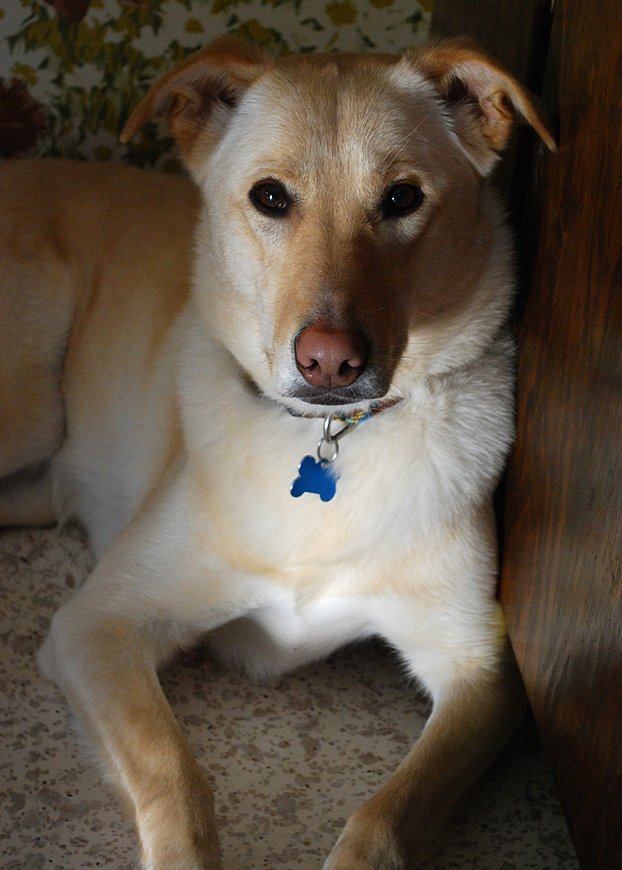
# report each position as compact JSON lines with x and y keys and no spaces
{"x":71,"y":70}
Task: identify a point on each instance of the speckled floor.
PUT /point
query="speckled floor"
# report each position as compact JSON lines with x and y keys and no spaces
{"x":288,"y":761}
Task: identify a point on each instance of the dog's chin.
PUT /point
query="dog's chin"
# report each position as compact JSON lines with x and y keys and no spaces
{"x":316,"y":403}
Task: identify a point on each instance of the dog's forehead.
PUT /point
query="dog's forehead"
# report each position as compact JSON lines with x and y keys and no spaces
{"x":335,"y":110}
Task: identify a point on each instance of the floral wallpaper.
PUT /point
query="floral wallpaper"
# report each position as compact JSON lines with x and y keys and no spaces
{"x":71,"y":70}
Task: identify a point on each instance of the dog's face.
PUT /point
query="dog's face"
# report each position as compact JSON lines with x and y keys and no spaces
{"x":352,"y":247}
{"x":339,"y":200}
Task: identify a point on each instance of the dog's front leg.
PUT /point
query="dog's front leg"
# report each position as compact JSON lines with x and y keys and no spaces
{"x":102,"y":651}
{"x":474,"y":713}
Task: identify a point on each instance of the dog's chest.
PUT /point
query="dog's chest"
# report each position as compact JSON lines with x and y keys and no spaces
{"x":253,"y":504}
{"x":288,"y":630}
{"x":401,"y":480}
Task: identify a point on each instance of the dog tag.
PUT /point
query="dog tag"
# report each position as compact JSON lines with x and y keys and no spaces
{"x":317,"y":477}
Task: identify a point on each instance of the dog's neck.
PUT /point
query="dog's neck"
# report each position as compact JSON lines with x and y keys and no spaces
{"x":318,"y":475}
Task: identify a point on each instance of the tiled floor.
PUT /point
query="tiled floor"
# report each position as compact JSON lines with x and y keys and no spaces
{"x":289,"y":761}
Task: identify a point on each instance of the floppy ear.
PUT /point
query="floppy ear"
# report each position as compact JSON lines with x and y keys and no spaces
{"x":482,"y":99}
{"x":198,"y":95}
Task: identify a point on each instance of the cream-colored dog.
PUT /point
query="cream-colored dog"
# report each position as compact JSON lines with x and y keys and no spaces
{"x":279,"y":405}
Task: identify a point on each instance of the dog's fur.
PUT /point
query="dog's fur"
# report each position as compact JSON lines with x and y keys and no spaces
{"x":154,"y":391}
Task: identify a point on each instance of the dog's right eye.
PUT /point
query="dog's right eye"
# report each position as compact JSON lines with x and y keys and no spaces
{"x":270,"y":198}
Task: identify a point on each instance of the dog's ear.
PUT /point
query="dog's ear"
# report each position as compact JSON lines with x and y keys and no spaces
{"x":483,"y":100}
{"x":201,"y":92}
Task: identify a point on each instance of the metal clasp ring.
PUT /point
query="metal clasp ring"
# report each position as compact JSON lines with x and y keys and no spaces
{"x":329,"y":439}
{"x":332,"y":438}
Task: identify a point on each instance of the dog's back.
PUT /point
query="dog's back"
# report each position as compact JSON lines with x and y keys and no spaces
{"x":96,"y":268}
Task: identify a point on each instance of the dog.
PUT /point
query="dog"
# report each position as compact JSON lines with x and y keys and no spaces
{"x":278,"y":396}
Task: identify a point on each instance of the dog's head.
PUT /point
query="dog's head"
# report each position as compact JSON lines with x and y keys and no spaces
{"x":349,"y":245}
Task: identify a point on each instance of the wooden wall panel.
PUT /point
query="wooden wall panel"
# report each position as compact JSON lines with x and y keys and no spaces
{"x":516,"y":33}
{"x":510,"y":30}
{"x":562,"y":568}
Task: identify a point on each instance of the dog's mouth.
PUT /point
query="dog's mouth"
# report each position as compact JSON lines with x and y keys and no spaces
{"x":340,"y":396}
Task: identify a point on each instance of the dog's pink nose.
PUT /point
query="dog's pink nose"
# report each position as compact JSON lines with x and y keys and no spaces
{"x":330,"y":357}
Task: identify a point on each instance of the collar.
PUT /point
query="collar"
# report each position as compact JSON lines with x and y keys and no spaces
{"x":358,"y":415}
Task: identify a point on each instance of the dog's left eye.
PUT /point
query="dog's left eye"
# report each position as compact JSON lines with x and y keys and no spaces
{"x":401,"y":200}
{"x":270,"y":198}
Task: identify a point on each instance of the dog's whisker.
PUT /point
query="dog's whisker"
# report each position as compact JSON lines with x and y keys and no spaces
{"x":401,"y":145}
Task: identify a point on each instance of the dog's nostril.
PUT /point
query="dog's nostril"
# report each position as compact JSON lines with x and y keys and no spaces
{"x":331,"y":357}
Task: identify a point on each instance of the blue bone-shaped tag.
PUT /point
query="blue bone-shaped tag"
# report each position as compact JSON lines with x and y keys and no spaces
{"x":315,"y":477}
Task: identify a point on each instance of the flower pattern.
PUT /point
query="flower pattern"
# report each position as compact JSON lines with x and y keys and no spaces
{"x":72,"y":70}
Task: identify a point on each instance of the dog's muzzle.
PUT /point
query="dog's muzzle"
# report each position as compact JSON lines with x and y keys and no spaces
{"x":334,"y":366}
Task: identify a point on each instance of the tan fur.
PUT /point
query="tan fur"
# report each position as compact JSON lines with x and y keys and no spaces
{"x":150,"y":389}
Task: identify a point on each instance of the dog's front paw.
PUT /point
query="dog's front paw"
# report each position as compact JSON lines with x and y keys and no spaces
{"x":366,"y":843}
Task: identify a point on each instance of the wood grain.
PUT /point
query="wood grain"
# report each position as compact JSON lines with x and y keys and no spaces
{"x":510,"y":30}
{"x":562,"y":570}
